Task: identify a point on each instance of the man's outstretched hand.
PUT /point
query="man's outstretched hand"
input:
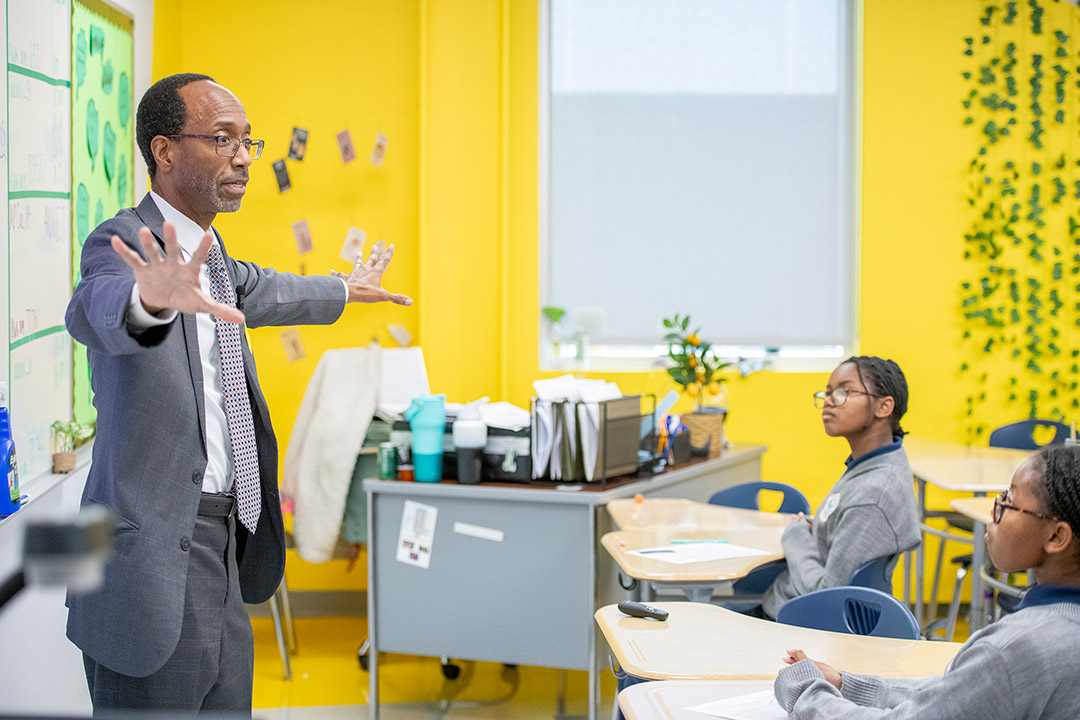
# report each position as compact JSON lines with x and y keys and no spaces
{"x":167,"y":281}
{"x":365,"y":280}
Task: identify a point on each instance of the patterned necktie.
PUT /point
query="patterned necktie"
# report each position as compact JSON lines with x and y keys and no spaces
{"x":235,"y":395}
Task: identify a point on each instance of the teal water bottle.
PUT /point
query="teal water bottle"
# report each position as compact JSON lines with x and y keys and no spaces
{"x":427,"y":418}
{"x":9,"y":501}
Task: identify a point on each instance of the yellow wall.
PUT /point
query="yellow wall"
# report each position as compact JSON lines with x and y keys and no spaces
{"x":453,"y":83}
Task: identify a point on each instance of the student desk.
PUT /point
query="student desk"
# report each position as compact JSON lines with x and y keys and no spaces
{"x":698,"y":580}
{"x":668,"y":700}
{"x":526,"y":598}
{"x":628,"y":514}
{"x":699,"y":641}
{"x":956,"y":468}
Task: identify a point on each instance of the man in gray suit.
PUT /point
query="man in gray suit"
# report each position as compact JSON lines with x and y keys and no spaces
{"x":185,"y":455}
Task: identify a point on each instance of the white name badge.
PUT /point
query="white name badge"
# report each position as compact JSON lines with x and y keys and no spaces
{"x":827,"y":507}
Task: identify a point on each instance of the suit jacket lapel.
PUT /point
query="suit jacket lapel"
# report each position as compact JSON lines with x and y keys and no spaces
{"x":148,"y":212}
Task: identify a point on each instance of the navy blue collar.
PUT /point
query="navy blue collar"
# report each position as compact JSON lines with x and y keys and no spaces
{"x":1049,"y":595}
{"x":895,"y":445}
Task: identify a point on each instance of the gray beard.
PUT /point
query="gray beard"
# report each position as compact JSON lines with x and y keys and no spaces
{"x":206,"y":188}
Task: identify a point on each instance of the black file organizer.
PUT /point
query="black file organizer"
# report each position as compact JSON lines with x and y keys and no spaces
{"x":618,"y":439}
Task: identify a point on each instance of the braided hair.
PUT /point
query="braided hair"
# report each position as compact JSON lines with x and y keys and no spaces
{"x":1060,"y":465}
{"x":162,"y":112}
{"x":885,"y":378}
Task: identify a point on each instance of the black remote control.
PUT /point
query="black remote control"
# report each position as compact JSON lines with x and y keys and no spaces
{"x":641,"y":610}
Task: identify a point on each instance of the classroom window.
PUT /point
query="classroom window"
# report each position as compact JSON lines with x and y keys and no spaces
{"x":697,"y":157}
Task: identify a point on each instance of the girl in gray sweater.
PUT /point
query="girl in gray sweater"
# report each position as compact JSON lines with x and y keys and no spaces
{"x":870,"y":512}
{"x":1020,"y":667}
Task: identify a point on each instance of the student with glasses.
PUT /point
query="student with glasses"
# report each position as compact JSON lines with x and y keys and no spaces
{"x":870,"y":512}
{"x":1019,"y":667}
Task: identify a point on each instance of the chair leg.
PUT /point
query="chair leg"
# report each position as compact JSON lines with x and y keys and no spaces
{"x":932,"y":611}
{"x":954,"y":605}
{"x":288,"y":624}
{"x":280,"y":633}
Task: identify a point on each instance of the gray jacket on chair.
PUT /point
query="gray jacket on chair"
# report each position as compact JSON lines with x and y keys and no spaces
{"x":150,"y":453}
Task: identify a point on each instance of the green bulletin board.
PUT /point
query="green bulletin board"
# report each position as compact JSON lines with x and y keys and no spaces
{"x":102,"y":142}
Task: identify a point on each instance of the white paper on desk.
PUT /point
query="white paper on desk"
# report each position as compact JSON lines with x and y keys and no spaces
{"x":753,"y":706}
{"x":504,"y":415}
{"x":417,"y":534}
{"x":696,"y":552}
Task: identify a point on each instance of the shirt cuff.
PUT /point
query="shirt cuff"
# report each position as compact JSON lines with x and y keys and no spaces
{"x":345,"y":284}
{"x":138,"y":319}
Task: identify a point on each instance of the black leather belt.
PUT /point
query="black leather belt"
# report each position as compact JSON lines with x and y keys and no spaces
{"x":217,"y":504}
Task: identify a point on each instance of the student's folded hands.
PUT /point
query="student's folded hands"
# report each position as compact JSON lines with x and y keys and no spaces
{"x":831,"y":674}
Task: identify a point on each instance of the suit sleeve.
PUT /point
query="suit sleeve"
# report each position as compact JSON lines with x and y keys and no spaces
{"x":97,"y":313}
{"x":275,"y":298}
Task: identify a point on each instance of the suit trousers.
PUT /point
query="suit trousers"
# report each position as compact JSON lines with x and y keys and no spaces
{"x":213,"y":664}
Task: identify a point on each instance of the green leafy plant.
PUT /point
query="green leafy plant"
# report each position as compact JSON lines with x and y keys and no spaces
{"x":695,"y":365}
{"x":553,"y":314}
{"x":70,"y":435}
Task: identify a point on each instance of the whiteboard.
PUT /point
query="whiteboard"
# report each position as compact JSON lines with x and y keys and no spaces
{"x":37,"y":206}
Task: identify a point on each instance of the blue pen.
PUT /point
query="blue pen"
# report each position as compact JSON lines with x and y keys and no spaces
{"x":689,"y":541}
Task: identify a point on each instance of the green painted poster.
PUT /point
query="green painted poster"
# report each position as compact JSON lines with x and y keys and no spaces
{"x":102,"y":142}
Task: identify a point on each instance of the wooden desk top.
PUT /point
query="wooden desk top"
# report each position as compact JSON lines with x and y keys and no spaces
{"x":669,"y":700}
{"x":978,"y":509}
{"x":961,"y":468}
{"x":706,"y":642}
{"x":627,"y":514}
{"x":764,"y":535}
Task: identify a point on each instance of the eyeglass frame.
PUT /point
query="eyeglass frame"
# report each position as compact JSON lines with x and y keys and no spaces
{"x":823,"y":394}
{"x":248,"y":143}
{"x":1000,"y":506}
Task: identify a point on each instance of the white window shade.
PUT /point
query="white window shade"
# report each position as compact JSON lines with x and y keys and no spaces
{"x":699,"y":160}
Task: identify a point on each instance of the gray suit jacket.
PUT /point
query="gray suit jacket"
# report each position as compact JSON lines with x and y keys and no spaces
{"x":150,"y":452}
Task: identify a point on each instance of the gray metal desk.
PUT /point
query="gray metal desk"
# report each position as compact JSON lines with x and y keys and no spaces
{"x":527,"y":599}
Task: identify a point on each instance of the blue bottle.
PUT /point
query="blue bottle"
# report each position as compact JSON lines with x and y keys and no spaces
{"x":9,"y":500}
{"x":427,"y":417}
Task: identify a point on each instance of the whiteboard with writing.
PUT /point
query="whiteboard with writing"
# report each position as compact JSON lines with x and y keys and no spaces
{"x":38,"y":218}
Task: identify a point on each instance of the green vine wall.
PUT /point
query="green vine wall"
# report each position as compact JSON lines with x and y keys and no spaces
{"x":1020,"y":294}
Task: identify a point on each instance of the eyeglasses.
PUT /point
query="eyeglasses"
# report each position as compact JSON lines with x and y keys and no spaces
{"x":839,"y":396}
{"x":1000,"y":506}
{"x":227,"y":146}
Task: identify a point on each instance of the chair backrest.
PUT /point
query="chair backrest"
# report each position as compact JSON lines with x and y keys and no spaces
{"x":1019,"y":435}
{"x":853,"y":610}
{"x":746,"y":496}
{"x":874,"y":574}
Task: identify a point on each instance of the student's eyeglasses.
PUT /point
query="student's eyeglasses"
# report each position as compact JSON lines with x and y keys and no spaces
{"x":839,"y":396}
{"x":1000,"y":506}
{"x":227,"y":146}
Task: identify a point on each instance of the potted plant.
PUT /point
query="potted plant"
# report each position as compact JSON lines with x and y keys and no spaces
{"x":696,"y":368}
{"x":66,"y":437}
{"x":553,"y":317}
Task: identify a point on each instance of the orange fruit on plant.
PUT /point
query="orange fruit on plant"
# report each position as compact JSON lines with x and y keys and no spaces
{"x":714,"y":388}
{"x":693,"y":339}
{"x":693,"y":389}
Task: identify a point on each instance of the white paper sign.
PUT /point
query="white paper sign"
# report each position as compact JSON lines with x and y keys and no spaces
{"x":754,"y":706}
{"x":696,"y":552}
{"x":417,"y":534}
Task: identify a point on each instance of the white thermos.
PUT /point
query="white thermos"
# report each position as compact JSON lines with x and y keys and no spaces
{"x":470,"y":437}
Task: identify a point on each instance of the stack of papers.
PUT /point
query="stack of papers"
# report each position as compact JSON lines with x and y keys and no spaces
{"x":568,"y":408}
{"x":753,"y":706}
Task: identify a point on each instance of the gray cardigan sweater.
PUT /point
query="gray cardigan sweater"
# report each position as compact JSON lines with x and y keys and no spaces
{"x":1020,"y":667}
{"x":869,"y":512}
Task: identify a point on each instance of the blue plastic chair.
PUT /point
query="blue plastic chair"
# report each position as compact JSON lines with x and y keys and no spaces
{"x":874,"y":574}
{"x":1018,"y":435}
{"x":853,"y":610}
{"x":746,"y":496}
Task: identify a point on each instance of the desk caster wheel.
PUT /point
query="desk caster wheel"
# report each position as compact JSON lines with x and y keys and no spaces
{"x":449,"y":670}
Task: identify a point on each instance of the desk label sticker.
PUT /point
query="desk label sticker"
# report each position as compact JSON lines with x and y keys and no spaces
{"x":417,"y":534}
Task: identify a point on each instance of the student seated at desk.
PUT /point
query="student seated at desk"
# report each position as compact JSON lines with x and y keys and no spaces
{"x":870,"y":511}
{"x":1020,"y":667}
